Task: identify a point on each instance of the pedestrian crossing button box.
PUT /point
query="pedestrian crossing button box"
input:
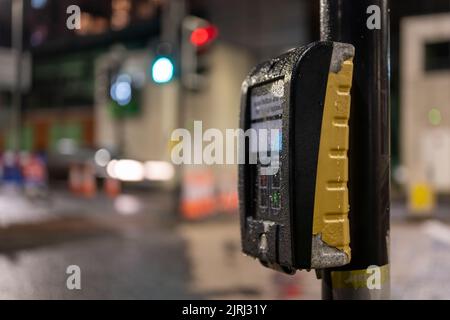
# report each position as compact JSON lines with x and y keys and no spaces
{"x":293,"y":193}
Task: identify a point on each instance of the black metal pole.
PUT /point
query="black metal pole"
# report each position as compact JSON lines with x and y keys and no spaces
{"x":17,"y":39}
{"x":369,"y":152}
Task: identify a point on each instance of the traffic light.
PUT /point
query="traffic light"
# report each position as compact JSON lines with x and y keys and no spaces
{"x":201,"y":36}
{"x":124,"y":95}
{"x":293,"y":195}
{"x":197,"y":36}
{"x":121,"y":91}
{"x":162,"y":70}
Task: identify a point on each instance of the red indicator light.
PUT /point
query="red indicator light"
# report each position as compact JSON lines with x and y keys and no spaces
{"x":202,"y":36}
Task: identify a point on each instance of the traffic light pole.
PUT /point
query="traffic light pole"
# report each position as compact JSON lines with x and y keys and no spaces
{"x":355,"y":22}
{"x":17,"y":39}
{"x":172,"y":18}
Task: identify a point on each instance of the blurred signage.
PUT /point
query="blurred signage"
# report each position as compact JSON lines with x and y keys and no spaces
{"x":424,"y":117}
{"x":435,"y":156}
{"x":8,"y":71}
{"x":101,"y":22}
{"x":63,"y":81}
{"x":421,"y":199}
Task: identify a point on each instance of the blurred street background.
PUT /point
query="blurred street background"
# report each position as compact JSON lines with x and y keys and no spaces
{"x":88,"y":104}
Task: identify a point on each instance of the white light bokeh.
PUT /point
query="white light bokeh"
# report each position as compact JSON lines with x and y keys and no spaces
{"x":126,"y":170}
{"x":127,"y":204}
{"x":159,"y":170}
{"x":102,"y":157}
{"x":110,"y":169}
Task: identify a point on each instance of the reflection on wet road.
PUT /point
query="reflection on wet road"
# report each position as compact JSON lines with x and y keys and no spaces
{"x":150,"y":254}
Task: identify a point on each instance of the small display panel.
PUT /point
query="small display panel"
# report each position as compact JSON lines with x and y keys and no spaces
{"x":266,"y":143}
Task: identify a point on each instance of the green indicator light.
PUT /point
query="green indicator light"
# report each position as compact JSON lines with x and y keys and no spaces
{"x":276,"y":198}
{"x":434,"y":117}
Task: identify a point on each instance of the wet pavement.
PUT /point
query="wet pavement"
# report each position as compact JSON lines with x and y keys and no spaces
{"x":133,"y":247}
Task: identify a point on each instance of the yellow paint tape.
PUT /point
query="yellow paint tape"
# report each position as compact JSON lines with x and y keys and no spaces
{"x":359,"y":278}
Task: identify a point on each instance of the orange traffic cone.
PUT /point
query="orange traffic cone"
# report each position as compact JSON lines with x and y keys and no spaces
{"x":197,"y":199}
{"x":89,"y":185}
{"x":75,"y":179}
{"x":228,"y":201}
{"x":111,"y":187}
{"x":228,"y":196}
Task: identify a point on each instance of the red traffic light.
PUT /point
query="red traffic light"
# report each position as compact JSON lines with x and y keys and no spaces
{"x":202,"y":36}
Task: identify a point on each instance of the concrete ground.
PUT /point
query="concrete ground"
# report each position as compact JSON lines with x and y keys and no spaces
{"x":134,"y":247}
